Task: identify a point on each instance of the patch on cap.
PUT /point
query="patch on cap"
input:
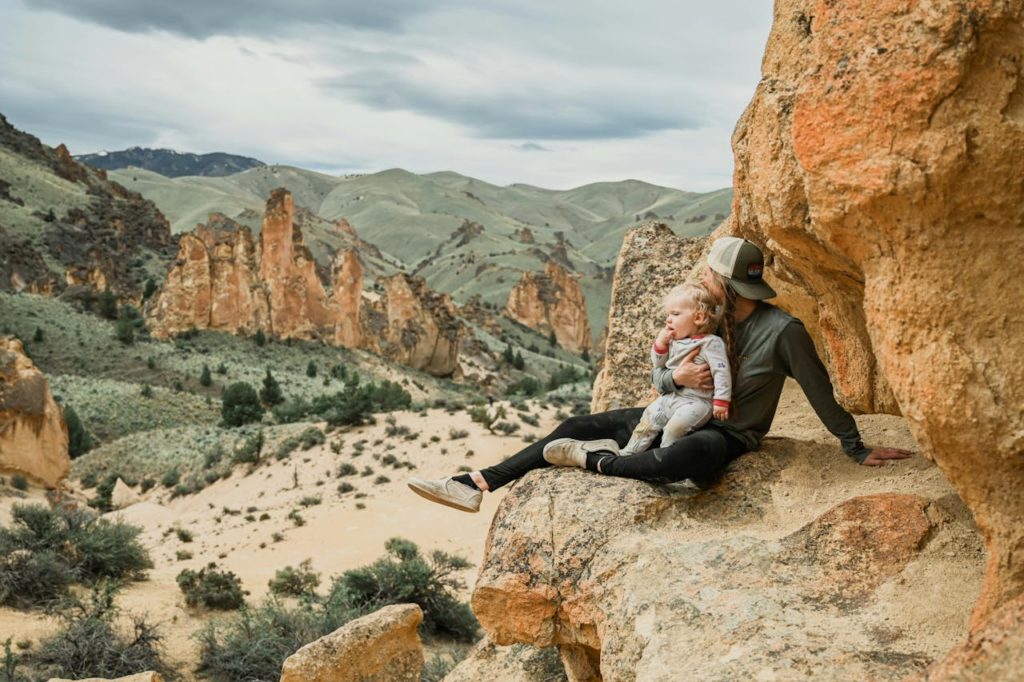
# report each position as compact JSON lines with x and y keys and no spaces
{"x":755,"y":271}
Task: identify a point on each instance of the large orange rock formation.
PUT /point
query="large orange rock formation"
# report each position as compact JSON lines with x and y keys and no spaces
{"x":552,"y":301}
{"x":879,"y":164}
{"x":221,"y":280}
{"x":33,"y":434}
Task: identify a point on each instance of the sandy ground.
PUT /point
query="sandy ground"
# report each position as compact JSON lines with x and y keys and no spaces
{"x":338,"y":535}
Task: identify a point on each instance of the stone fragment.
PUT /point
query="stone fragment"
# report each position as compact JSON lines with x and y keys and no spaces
{"x":122,"y":495}
{"x":383,"y":646}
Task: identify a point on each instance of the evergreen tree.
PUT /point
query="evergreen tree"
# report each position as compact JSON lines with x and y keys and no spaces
{"x":271,"y":393}
{"x":124,"y":331}
{"x":150,"y":289}
{"x":507,"y":355}
{"x":205,"y":379}
{"x":147,"y":391}
{"x":38,"y":336}
{"x":518,"y":361}
{"x":311,"y":369}
{"x":79,"y":441}
{"x":585,"y":355}
{"x":552,"y":340}
{"x":240,"y":405}
{"x":260,"y":338}
{"x":108,"y":305}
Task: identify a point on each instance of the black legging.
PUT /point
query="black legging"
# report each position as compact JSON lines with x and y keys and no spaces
{"x":701,"y":454}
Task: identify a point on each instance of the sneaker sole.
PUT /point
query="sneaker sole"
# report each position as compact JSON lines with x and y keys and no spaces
{"x":426,"y":494}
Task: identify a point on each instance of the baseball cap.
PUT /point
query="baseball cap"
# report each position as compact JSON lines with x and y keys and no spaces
{"x":742,"y":263}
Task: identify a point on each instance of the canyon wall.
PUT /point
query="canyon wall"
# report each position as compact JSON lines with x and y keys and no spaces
{"x":879,"y":165}
{"x":552,"y":301}
{"x":222,"y":280}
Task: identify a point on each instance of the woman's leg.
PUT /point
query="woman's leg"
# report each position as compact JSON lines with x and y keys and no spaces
{"x":700,"y":454}
{"x":616,"y":424}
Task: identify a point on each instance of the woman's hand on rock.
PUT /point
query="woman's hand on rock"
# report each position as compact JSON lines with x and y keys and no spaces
{"x":692,"y":375}
{"x":879,"y":457}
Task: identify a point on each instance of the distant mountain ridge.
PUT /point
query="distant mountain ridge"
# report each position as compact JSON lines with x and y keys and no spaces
{"x":171,"y":163}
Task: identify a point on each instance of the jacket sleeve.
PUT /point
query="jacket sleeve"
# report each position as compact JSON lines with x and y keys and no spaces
{"x":718,"y":360}
{"x":799,"y":357}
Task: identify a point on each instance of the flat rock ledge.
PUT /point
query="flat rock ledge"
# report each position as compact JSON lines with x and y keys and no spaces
{"x":767,"y":573}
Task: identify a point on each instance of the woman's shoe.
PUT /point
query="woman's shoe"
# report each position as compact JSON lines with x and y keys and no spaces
{"x":569,"y":452}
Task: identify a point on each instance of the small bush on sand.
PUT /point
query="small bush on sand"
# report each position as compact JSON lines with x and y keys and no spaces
{"x":89,"y":645}
{"x":240,"y":405}
{"x":310,"y":437}
{"x":295,"y":582}
{"x":211,"y":588}
{"x":44,"y":551}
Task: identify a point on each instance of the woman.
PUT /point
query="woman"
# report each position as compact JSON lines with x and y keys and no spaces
{"x":770,"y":345}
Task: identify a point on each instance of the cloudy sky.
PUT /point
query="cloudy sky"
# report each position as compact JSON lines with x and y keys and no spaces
{"x":552,"y":94}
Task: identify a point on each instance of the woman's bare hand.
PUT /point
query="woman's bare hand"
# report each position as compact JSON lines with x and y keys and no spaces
{"x":879,"y":457}
{"x":692,"y":375}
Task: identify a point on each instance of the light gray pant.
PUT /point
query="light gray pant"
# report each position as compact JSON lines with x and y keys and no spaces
{"x":672,"y":413}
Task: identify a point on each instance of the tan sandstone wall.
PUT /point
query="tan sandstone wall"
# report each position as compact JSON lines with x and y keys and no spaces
{"x":33,"y":434}
{"x":879,"y":162}
{"x":552,"y":301}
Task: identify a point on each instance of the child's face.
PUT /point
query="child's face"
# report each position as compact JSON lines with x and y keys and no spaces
{"x":681,"y":319}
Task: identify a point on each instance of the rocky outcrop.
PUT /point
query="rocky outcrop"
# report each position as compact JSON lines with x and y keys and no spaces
{"x":348,"y":297}
{"x":101,"y":241}
{"x":635,"y":314}
{"x":413,"y":325}
{"x":297,"y":301}
{"x":879,"y":164}
{"x":381,"y":647}
{"x":751,"y":578}
{"x":222,"y":281}
{"x":552,"y":301}
{"x":33,"y":434}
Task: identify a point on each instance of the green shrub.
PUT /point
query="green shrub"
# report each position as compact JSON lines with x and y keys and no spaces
{"x":347,"y":469}
{"x":205,"y":378}
{"x":88,"y":644}
{"x":457,"y":434}
{"x":260,"y":338}
{"x":147,"y":391}
{"x":310,"y":501}
{"x":286,"y":447}
{"x":19,"y":482}
{"x":124,"y":331}
{"x":249,"y":450}
{"x":291,"y":411}
{"x":211,"y":588}
{"x":183,"y":534}
{"x":170,"y":478}
{"x":311,"y":369}
{"x":240,"y":405}
{"x":345,"y":487}
{"x":45,"y":550}
{"x":295,"y":582}
{"x":79,"y":441}
{"x":310,"y":437}
{"x":271,"y":393}
{"x":108,"y":305}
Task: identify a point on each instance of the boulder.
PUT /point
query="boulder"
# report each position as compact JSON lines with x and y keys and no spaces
{"x":381,"y":647}
{"x":652,"y":261}
{"x":879,"y":165}
{"x":552,"y":301}
{"x":768,"y":573}
{"x":33,"y":433}
{"x":122,"y":495}
{"x":138,"y":677}
{"x":516,"y":663}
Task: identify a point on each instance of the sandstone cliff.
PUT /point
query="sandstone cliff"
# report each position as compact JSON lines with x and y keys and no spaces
{"x":221,"y":280}
{"x":552,"y":301}
{"x":33,"y":434}
{"x":879,"y":162}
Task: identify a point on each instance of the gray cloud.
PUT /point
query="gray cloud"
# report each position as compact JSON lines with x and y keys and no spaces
{"x":204,"y":18}
{"x":539,"y":112}
{"x":532,"y":147}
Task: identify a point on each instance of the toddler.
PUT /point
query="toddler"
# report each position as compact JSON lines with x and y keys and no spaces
{"x":690,"y":313}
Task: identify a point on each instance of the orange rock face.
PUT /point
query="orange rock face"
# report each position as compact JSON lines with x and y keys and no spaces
{"x":552,"y":301}
{"x":33,"y":434}
{"x":414,"y":326}
{"x":879,"y":164}
{"x":222,"y":281}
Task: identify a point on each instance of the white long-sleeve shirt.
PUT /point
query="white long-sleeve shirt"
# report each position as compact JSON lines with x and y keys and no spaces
{"x":712,"y":352}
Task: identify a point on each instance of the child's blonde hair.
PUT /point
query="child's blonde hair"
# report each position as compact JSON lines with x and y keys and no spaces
{"x":702,"y":301}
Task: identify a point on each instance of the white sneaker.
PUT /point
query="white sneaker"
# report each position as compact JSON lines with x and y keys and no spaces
{"x":569,"y":452}
{"x":448,"y":492}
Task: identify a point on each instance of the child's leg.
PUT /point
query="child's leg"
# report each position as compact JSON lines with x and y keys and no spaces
{"x":651,"y":423}
{"x":688,"y":416}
